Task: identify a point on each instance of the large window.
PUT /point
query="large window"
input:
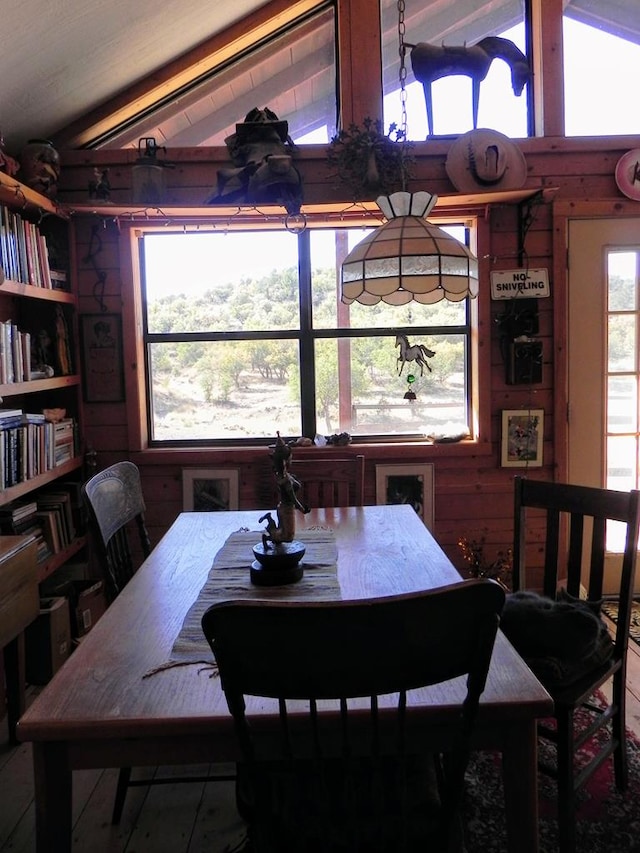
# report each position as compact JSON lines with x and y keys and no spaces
{"x":455,"y":25}
{"x":245,"y":334}
{"x":601,"y":56}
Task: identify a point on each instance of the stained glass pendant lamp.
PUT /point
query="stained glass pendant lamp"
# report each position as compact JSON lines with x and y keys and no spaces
{"x":408,"y":258}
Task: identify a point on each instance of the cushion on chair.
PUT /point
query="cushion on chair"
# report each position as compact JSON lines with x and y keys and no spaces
{"x":560,"y":640}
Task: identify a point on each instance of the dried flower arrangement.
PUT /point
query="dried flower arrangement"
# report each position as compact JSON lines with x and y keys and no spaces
{"x":499,"y":569}
{"x":370,"y":161}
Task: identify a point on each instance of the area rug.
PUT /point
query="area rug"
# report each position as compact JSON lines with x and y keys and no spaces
{"x":610,"y":608}
{"x":607,"y":820}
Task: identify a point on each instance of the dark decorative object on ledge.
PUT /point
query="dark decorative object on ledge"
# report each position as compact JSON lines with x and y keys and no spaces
{"x":278,"y":555}
{"x":370,"y":161}
{"x":431,"y":62}
{"x":263,"y":172}
{"x":8,"y":165}
{"x":99,"y":187}
{"x":148,"y":172}
{"x":40,"y":166}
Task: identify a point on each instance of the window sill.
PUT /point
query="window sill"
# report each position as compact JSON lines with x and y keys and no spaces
{"x":383,"y":450}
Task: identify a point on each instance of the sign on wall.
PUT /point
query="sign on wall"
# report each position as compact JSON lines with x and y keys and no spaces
{"x":533,"y":284}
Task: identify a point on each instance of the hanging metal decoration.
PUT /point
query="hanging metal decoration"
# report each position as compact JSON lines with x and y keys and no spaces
{"x":410,"y":394}
{"x":413,"y":352}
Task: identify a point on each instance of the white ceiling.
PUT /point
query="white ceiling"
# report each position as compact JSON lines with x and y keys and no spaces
{"x":61,"y":58}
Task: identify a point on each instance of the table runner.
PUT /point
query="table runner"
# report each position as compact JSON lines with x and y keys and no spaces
{"x":229,"y":578}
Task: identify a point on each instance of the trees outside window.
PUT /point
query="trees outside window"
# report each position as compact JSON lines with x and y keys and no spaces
{"x":245,"y":334}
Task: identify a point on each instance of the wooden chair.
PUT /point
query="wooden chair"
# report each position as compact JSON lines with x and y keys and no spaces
{"x":330,"y":482}
{"x":115,"y":505}
{"x":359,"y":778}
{"x":565,"y":509}
{"x":114,"y":500}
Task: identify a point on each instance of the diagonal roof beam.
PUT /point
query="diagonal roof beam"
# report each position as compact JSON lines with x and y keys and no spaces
{"x":202,"y":60}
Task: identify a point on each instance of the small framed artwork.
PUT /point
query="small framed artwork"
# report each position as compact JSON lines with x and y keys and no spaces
{"x":407,"y":484}
{"x":209,"y":489}
{"x":102,"y":358}
{"x":522,"y":438}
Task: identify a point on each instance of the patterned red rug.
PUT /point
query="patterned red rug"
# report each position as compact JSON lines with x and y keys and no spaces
{"x":608,"y":821}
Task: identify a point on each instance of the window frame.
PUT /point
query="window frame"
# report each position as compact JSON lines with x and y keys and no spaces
{"x":139,"y":409}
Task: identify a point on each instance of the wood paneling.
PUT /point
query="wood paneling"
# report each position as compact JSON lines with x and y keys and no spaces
{"x":473,"y":495}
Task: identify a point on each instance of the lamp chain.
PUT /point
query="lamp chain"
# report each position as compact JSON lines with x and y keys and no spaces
{"x":402,"y":78}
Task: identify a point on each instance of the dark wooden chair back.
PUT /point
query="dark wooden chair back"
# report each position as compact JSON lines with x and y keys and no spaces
{"x":330,"y":482}
{"x":115,"y":503}
{"x":573,"y":522}
{"x":345,"y":763}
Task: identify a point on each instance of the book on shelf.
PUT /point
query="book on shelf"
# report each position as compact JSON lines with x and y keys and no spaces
{"x":23,"y":250}
{"x":50,"y":529}
{"x":60,"y":500}
{"x":15,"y":354}
{"x":17,"y":510}
{"x":6,"y":352}
{"x":58,"y":279}
{"x":9,"y":414}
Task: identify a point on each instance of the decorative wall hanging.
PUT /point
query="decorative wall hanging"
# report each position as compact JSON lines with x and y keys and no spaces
{"x":628,"y":174}
{"x":209,"y":489}
{"x":522,"y":438}
{"x":483,"y":160}
{"x":413,"y":352}
{"x":102,"y":358}
{"x":430,"y":62}
{"x":407,"y":484}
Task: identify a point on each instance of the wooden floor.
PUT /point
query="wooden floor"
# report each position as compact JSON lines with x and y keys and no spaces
{"x":174,"y":818}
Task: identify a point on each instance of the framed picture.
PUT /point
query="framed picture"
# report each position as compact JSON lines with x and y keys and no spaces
{"x":102,"y":358}
{"x":407,"y":484}
{"x":209,"y":489}
{"x":522,"y":437}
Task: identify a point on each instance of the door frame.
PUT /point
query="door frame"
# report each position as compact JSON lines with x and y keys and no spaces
{"x":563,"y":212}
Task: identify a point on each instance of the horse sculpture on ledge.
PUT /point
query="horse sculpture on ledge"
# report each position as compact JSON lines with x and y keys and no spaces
{"x":431,"y":62}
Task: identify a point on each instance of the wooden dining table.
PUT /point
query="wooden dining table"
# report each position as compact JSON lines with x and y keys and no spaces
{"x":114,"y":703}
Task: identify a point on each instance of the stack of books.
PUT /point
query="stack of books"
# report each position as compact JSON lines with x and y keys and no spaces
{"x":64,"y":440}
{"x":20,"y":518}
{"x":31,"y":445}
{"x":23,"y":250}
{"x":15,"y":354}
{"x":55,"y":513}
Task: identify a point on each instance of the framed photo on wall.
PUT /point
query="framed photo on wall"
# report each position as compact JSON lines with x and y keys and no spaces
{"x":407,"y":484}
{"x":102,"y":358}
{"x":209,"y":489}
{"x":522,"y":438}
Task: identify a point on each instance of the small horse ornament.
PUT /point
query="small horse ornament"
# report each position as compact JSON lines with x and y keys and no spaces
{"x":431,"y":62}
{"x":418,"y":353}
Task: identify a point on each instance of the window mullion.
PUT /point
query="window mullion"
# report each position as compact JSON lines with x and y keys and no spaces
{"x":307,"y":342}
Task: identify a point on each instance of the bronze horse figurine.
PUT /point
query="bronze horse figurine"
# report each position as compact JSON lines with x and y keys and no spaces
{"x":431,"y":62}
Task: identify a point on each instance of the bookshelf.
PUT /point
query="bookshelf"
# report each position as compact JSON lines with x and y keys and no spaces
{"x":41,"y":370}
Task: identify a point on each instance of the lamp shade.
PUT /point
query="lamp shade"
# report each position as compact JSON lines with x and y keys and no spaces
{"x":408,"y":258}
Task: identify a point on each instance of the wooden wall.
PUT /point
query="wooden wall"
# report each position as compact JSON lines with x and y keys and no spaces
{"x":473,"y":494}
